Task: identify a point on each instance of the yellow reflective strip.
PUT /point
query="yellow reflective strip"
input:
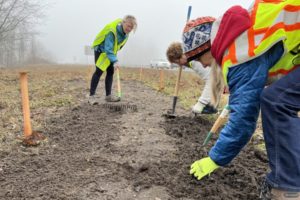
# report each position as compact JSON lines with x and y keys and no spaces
{"x":225,"y":69}
{"x":285,"y":63}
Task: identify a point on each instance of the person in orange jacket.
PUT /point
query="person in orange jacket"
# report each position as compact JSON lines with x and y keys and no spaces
{"x":244,"y":48}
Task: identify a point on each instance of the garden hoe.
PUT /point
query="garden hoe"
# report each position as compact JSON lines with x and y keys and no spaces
{"x":119,"y":106}
{"x":221,"y":119}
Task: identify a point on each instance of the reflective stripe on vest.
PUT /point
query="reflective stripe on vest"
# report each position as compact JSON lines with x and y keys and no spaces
{"x":103,"y":62}
{"x":273,"y":21}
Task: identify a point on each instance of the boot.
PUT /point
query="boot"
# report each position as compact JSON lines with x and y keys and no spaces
{"x":93,"y":100}
{"x":268,"y":193}
{"x":111,"y":98}
{"x":284,"y":195}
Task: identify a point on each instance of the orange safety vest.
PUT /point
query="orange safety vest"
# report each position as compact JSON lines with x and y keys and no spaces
{"x":273,"y":21}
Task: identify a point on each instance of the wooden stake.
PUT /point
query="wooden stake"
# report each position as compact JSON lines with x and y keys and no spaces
{"x":25,"y":104}
{"x":161,"y":80}
{"x":141,"y":74}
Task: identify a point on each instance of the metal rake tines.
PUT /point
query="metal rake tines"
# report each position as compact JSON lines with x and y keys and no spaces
{"x":120,"y":107}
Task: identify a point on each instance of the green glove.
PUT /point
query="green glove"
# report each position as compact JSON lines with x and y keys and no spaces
{"x":203,"y":167}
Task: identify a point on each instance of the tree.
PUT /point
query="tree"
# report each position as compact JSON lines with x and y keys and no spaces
{"x":16,"y":13}
{"x":17,"y":23}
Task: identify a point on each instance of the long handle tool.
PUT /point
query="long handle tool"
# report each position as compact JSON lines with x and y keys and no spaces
{"x":175,"y":97}
{"x":119,"y":92}
{"x":221,"y":119}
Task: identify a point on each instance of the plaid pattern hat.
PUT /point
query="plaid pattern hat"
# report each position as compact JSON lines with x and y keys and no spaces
{"x":196,"y":37}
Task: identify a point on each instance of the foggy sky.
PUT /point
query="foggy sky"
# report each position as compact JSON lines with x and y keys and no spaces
{"x":72,"y":24}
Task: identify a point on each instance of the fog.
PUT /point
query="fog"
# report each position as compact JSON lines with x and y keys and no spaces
{"x":72,"y":24}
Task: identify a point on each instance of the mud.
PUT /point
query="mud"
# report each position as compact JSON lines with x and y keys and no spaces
{"x":92,"y":152}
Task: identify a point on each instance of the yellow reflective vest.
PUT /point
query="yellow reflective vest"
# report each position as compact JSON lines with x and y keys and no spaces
{"x":273,"y":21}
{"x":103,"y":62}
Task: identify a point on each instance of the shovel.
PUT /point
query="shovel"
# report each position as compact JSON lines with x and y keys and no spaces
{"x":171,"y":113}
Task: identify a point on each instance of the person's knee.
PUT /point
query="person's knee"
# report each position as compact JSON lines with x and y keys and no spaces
{"x":98,"y":72}
{"x":110,"y":71}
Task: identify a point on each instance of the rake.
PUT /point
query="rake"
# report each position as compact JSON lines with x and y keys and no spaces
{"x":119,"y":106}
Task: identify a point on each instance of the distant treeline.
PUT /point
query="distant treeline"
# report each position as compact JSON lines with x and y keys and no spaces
{"x":18,"y":45}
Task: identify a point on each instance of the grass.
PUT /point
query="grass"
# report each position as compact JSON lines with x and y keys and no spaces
{"x":189,"y":88}
{"x":53,"y":88}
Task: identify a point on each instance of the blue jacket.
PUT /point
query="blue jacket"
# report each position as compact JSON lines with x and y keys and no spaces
{"x":246,"y":82}
{"x":108,"y":45}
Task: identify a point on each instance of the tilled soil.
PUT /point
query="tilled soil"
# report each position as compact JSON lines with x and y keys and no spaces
{"x":92,"y":152}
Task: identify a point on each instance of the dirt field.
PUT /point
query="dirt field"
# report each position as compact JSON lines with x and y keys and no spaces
{"x":95,"y":153}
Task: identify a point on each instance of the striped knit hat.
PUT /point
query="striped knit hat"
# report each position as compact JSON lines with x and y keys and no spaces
{"x":196,"y":37}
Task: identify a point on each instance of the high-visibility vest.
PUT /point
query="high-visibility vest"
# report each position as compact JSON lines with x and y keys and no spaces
{"x":103,"y":62}
{"x":273,"y":21}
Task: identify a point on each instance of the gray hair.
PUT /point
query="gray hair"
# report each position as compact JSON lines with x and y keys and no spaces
{"x":131,"y":19}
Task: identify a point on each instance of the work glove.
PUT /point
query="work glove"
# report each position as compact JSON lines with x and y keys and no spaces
{"x":198,"y":108}
{"x":203,"y":167}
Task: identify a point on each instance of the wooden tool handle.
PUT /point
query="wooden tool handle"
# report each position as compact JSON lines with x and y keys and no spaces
{"x":221,"y":119}
{"x":118,"y":82}
{"x":177,"y":82}
{"x":217,"y":124}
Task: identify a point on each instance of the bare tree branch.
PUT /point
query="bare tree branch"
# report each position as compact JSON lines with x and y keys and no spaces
{"x":17,"y":23}
{"x":13,"y":13}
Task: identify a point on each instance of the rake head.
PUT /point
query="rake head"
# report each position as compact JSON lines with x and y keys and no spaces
{"x":120,"y":107}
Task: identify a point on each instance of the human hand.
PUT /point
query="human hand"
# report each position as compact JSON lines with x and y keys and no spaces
{"x":198,"y":108}
{"x":203,"y":167}
{"x":116,"y":65}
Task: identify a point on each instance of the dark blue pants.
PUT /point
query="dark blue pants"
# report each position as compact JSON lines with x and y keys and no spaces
{"x":97,"y":75}
{"x":280,"y":106}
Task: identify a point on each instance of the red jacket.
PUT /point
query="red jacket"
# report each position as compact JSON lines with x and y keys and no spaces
{"x":235,"y":21}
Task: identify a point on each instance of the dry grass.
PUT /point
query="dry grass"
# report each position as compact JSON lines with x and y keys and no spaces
{"x":189,"y":88}
{"x":53,"y":88}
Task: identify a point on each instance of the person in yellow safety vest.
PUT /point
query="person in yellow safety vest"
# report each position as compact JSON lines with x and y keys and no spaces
{"x":203,"y":105}
{"x":244,"y":48}
{"x":106,"y":45}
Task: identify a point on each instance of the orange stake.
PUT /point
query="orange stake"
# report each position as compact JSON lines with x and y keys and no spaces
{"x":161,"y":80}
{"x":25,"y":104}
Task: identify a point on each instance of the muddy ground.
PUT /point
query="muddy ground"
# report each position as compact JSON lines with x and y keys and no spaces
{"x":95,"y":153}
